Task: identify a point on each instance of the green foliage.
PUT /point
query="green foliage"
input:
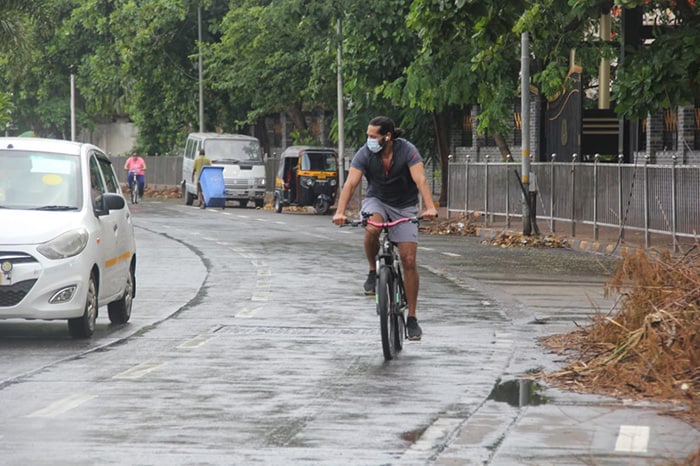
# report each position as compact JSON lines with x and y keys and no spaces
{"x":663,"y":75}
{"x":302,"y":138}
{"x":275,"y":57}
{"x":415,"y":61}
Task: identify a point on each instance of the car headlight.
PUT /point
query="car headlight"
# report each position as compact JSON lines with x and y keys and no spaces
{"x":68,"y":244}
{"x":309,"y":182}
{"x":260,"y":181}
{"x":333,"y":182}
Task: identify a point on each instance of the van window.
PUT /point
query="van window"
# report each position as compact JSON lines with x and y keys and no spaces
{"x":231,"y":149}
{"x":189,"y":149}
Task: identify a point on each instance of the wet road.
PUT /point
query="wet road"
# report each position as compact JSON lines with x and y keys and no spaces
{"x":251,"y":343}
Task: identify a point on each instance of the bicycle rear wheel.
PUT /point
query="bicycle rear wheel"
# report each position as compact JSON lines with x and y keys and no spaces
{"x":385,"y":305}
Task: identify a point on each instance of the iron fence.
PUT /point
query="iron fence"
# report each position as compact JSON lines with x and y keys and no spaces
{"x":649,"y":198}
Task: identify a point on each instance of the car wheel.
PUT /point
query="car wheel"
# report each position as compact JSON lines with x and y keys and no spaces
{"x":243,"y":203}
{"x":278,"y":204}
{"x":84,"y":326}
{"x":120,"y":310}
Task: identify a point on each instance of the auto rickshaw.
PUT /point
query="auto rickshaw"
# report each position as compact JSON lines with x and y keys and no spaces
{"x":307,"y":176}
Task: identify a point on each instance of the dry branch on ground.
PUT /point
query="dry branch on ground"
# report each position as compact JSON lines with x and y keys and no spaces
{"x":648,"y":346}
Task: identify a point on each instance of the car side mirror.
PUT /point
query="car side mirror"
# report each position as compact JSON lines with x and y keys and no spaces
{"x":109,"y":201}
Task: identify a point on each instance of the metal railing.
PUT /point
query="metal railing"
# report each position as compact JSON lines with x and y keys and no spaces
{"x":659,"y":199}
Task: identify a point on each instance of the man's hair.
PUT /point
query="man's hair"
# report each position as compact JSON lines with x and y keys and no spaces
{"x":201,"y":151}
{"x":386,"y":125}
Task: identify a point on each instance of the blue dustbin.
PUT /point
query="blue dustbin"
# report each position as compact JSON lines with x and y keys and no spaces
{"x":212,"y":181}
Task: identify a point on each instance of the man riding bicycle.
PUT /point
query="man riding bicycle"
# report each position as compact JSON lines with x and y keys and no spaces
{"x":136,"y":167}
{"x":395,"y":175}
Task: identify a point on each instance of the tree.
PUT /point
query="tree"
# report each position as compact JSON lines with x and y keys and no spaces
{"x":276,"y":57}
{"x":16,"y":17}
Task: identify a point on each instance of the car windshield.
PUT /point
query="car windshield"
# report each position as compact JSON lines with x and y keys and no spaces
{"x":45,"y":181}
{"x":318,"y":161}
{"x":232,"y":150}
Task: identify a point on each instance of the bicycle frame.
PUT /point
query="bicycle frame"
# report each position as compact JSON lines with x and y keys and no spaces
{"x":390,"y":295}
{"x":134,"y":187}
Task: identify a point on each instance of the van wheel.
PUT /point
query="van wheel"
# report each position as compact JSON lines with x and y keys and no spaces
{"x":189,"y":198}
{"x":84,"y":326}
{"x":120,"y":310}
{"x":259,"y":203}
{"x":243,"y":203}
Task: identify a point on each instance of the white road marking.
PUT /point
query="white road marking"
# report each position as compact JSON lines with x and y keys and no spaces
{"x":422,"y":248}
{"x":260,"y":295}
{"x":429,"y":438}
{"x":247,"y":312}
{"x":632,"y":439}
{"x":62,"y":406}
{"x":139,"y":371}
{"x":451,"y":254}
{"x":196,"y":341}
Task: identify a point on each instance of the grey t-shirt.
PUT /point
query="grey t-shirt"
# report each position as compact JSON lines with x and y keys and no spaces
{"x":394,"y":187}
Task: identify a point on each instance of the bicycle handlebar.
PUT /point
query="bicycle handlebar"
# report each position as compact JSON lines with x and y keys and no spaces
{"x":366,"y":221}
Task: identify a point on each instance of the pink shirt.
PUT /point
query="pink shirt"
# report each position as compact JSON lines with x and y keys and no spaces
{"x":135,"y":165}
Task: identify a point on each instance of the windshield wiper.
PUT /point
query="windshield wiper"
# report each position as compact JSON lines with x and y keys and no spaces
{"x":226,"y":161}
{"x":56,"y":207}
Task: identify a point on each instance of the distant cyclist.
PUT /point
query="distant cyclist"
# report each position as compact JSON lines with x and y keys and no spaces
{"x":136,"y":166}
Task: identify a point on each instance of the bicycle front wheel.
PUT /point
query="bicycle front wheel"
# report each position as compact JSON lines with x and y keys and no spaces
{"x":385,"y":305}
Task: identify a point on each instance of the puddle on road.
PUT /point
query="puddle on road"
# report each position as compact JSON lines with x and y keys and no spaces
{"x":518,"y":393}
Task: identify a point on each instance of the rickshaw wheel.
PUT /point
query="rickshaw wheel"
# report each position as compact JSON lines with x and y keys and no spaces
{"x":278,"y":205}
{"x":321,"y":206}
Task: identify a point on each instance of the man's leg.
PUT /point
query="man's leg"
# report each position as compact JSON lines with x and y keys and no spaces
{"x":411,"y":280}
{"x":407,"y":250}
{"x":130,"y":181}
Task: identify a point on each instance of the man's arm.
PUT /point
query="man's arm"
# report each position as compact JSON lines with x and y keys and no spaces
{"x":354,"y":179}
{"x":418,"y":175}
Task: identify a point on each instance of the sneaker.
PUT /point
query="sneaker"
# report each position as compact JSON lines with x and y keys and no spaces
{"x":414,"y":331}
{"x":371,"y":282}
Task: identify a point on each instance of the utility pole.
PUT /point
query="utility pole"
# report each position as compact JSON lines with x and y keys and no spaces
{"x":341,"y":108}
{"x":201,"y":83}
{"x":72,"y":104}
{"x":525,"y":127}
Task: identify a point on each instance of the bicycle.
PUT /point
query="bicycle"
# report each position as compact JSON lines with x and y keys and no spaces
{"x":390,"y":296}
{"x":134,"y":191}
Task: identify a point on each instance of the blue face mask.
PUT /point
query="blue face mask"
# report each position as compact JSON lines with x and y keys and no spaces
{"x":373,"y":145}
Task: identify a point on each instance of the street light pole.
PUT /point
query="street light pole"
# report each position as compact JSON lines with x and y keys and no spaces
{"x":525,"y":127}
{"x":201,"y":84}
{"x":341,"y":108}
{"x":72,"y":106}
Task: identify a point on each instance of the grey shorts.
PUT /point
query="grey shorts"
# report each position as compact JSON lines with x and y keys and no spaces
{"x":406,"y":232}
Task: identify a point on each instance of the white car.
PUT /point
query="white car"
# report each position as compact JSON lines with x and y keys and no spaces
{"x":66,"y":235}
